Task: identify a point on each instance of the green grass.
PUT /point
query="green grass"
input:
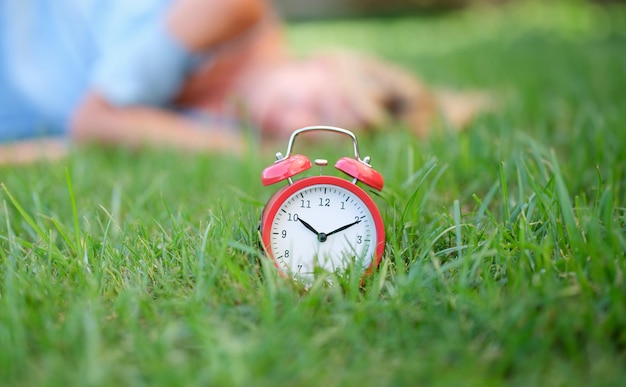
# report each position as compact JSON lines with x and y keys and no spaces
{"x":506,"y":244}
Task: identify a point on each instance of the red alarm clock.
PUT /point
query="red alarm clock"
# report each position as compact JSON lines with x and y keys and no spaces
{"x":322,"y":223}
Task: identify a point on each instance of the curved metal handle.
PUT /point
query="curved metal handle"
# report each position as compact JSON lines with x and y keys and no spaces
{"x":325,"y":129}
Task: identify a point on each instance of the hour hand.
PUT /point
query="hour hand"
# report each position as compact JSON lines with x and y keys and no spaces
{"x":308,"y":226}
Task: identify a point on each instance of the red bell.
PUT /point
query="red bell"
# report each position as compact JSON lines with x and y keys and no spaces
{"x":360,"y":171}
{"x":284,"y":169}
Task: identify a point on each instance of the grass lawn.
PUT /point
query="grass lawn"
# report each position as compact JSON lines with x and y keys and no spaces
{"x":505,"y":259}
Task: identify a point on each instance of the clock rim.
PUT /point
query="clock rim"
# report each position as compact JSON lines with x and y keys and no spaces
{"x":280,"y":196}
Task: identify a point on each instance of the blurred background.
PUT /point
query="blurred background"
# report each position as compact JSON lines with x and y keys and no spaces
{"x":306,"y":9}
{"x":558,"y":68}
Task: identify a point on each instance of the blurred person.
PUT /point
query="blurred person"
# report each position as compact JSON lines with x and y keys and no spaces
{"x":115,"y":72}
{"x":181,"y":74}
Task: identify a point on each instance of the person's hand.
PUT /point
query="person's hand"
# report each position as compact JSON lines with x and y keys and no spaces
{"x":30,"y":151}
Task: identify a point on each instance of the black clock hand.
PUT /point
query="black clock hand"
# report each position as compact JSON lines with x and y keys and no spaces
{"x":309,"y":226}
{"x":342,"y":228}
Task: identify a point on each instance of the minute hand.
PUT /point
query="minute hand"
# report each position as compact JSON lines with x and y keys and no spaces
{"x":343,"y":228}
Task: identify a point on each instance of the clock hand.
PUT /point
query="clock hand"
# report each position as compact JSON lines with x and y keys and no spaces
{"x":342,"y":228}
{"x":309,"y":226}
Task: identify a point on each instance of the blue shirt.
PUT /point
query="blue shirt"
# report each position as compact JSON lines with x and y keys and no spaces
{"x":52,"y":52}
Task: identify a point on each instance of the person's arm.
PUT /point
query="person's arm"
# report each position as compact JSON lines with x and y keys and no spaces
{"x":204,"y":24}
{"x":97,"y":121}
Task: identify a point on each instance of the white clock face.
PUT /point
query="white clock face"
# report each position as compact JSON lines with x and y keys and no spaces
{"x":323,"y":227}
